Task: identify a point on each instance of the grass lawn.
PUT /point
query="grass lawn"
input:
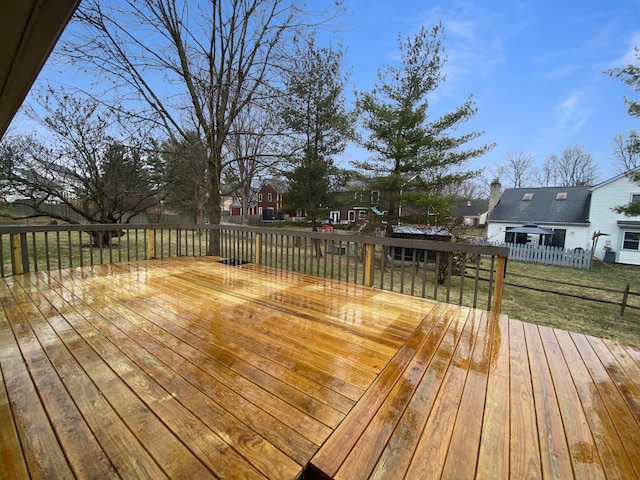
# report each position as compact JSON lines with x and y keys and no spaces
{"x":577,"y":315}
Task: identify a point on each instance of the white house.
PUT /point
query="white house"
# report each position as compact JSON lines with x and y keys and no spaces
{"x":622,"y":233}
{"x":565,"y":210}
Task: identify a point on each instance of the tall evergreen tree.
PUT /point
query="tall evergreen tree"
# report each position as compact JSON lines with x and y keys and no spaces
{"x":405,"y":141}
{"x":316,"y":115}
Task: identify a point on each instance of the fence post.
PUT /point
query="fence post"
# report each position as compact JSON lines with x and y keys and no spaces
{"x":258,"y":255}
{"x":151,"y":243}
{"x":625,"y":296}
{"x":501,"y":271}
{"x":369,"y":259}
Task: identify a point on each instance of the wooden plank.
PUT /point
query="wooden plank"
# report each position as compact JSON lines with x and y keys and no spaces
{"x":429,"y":457}
{"x":397,"y":454}
{"x":333,"y":453}
{"x":83,"y":452}
{"x":111,"y":372}
{"x":272,"y":403}
{"x":118,"y":351}
{"x":582,"y":448}
{"x":364,"y":456}
{"x":125,"y":452}
{"x":493,"y":455}
{"x":554,"y":451}
{"x":524,"y":461}
{"x":465,"y":440}
{"x":42,"y":452}
{"x":355,"y":377}
{"x":12,"y":461}
{"x":622,"y":370}
{"x":129,"y":326}
{"x":230,"y":350}
{"x":625,"y":424}
{"x":610,"y":448}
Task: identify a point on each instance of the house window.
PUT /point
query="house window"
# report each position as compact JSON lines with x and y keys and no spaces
{"x":352,"y":215}
{"x":635,"y":197}
{"x":557,"y":239}
{"x":561,"y":196}
{"x":259,"y":197}
{"x":631,"y":241}
{"x":527,"y":197}
{"x":269,"y":197}
{"x":375,"y":196}
{"x":362,"y":214}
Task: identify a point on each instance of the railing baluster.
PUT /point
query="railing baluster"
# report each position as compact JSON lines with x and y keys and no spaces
{"x":475,"y":283}
{"x":463,"y":267}
{"x":35,"y":250}
{"x":449,"y":275}
{"x":80,"y":247}
{"x":1,"y":255}
{"x":70,"y":250}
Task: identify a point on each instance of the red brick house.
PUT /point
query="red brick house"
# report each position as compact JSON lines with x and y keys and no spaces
{"x":269,"y":203}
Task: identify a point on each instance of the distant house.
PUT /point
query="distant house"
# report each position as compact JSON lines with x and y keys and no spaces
{"x":269,"y":202}
{"x":472,"y":212}
{"x":577,"y":215}
{"x":622,"y":233}
{"x":565,"y":210}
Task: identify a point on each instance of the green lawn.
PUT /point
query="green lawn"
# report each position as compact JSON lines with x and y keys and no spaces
{"x":578,"y":315}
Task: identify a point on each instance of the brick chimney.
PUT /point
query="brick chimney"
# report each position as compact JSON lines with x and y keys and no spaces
{"x":494,"y":194}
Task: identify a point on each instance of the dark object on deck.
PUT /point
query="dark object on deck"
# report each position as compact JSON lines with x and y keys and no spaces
{"x":233,"y":261}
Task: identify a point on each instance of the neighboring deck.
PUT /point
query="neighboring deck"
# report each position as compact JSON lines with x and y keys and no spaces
{"x":186,"y":368}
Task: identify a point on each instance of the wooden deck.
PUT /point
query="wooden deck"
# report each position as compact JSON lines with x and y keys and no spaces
{"x":186,"y":368}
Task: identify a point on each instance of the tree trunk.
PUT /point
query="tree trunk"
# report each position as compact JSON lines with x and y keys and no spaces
{"x":214,"y":202}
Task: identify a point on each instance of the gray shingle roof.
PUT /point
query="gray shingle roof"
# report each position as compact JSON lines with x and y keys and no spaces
{"x":543,"y":207}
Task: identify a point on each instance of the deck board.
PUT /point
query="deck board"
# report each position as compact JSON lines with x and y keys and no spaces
{"x":185,"y":367}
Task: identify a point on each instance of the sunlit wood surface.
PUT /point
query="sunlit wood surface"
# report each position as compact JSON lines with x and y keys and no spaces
{"x":186,"y":368}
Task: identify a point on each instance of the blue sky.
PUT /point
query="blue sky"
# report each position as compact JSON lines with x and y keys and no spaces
{"x":535,"y":68}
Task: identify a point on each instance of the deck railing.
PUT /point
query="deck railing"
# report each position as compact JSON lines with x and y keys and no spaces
{"x":470,"y":275}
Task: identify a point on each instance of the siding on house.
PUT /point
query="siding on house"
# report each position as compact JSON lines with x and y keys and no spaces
{"x":604,"y":197}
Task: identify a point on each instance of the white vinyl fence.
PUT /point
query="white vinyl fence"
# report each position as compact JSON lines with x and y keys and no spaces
{"x":577,"y":258}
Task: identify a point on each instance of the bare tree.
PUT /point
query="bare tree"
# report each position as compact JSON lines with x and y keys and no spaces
{"x":517,"y":171}
{"x":247,"y":156}
{"x":625,"y":151}
{"x":573,"y":167}
{"x":189,"y":65}
{"x":82,"y":171}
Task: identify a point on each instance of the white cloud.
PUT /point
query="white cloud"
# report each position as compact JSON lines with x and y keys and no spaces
{"x":631,"y":56}
{"x":571,"y":115}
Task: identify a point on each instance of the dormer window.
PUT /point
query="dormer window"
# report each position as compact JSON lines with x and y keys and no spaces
{"x":561,"y":196}
{"x":527,"y":197}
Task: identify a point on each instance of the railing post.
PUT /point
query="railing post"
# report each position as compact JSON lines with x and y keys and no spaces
{"x":258,"y":253}
{"x":151,"y":243}
{"x":19,"y":253}
{"x":16,"y":254}
{"x":501,"y":268}
{"x":369,"y":258}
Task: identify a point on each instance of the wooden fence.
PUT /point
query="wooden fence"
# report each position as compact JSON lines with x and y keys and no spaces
{"x":577,"y":258}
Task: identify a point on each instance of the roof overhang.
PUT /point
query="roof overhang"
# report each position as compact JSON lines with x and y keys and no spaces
{"x":29,"y":29}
